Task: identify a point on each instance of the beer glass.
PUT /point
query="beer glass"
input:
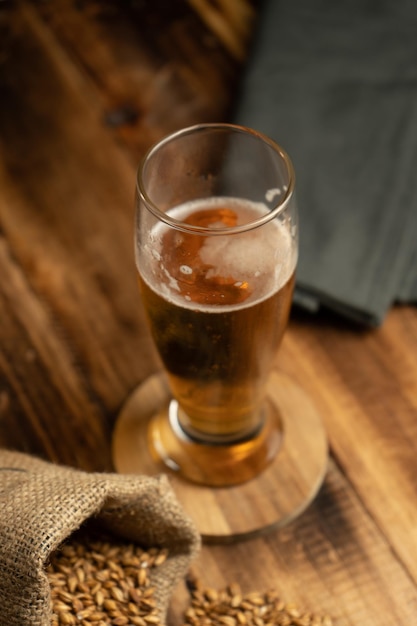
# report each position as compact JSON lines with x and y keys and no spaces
{"x":216,"y":251}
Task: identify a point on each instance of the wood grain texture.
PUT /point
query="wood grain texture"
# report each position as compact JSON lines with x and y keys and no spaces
{"x":333,"y":557}
{"x":85,"y":88}
{"x":369,"y":402}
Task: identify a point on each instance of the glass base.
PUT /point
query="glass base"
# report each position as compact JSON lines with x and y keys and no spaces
{"x":292,"y":444}
{"x":213,"y":464}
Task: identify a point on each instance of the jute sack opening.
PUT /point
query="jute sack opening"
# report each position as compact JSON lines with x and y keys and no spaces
{"x":42,"y":504}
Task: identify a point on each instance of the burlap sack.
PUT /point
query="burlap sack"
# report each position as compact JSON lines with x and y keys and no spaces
{"x":42,"y":504}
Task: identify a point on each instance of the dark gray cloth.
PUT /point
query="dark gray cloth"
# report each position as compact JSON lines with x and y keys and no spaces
{"x":335,"y":84}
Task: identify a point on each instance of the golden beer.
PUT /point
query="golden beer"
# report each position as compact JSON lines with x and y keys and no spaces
{"x":218,"y":306}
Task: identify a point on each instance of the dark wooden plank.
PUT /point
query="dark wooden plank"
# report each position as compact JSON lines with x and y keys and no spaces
{"x":45,"y":407}
{"x":67,"y":210}
{"x":156,"y":66}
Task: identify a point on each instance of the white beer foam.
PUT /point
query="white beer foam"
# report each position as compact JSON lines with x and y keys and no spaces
{"x":264,"y":256}
{"x":245,"y":256}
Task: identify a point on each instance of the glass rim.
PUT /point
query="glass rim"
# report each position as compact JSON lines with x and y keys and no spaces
{"x":279,"y":207}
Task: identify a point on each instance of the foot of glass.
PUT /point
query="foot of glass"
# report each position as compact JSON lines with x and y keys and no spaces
{"x":269,"y":499}
{"x":214,"y":464}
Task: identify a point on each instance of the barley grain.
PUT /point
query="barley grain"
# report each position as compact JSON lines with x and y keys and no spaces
{"x":230,"y":607}
{"x":101,"y":583}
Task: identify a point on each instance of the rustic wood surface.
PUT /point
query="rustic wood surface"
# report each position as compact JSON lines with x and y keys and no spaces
{"x":85,"y":88}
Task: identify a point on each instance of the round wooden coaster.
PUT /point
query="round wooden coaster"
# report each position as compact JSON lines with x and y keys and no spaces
{"x":272,"y":499}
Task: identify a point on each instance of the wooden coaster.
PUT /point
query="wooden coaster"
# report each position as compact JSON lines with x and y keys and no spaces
{"x":272,"y":499}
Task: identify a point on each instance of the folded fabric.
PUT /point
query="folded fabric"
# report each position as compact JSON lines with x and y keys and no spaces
{"x":335,"y":84}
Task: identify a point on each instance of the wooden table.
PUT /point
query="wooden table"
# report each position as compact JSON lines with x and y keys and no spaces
{"x":85,"y":88}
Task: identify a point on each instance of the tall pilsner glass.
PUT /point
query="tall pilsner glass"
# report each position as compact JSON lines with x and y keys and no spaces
{"x":216,"y":251}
